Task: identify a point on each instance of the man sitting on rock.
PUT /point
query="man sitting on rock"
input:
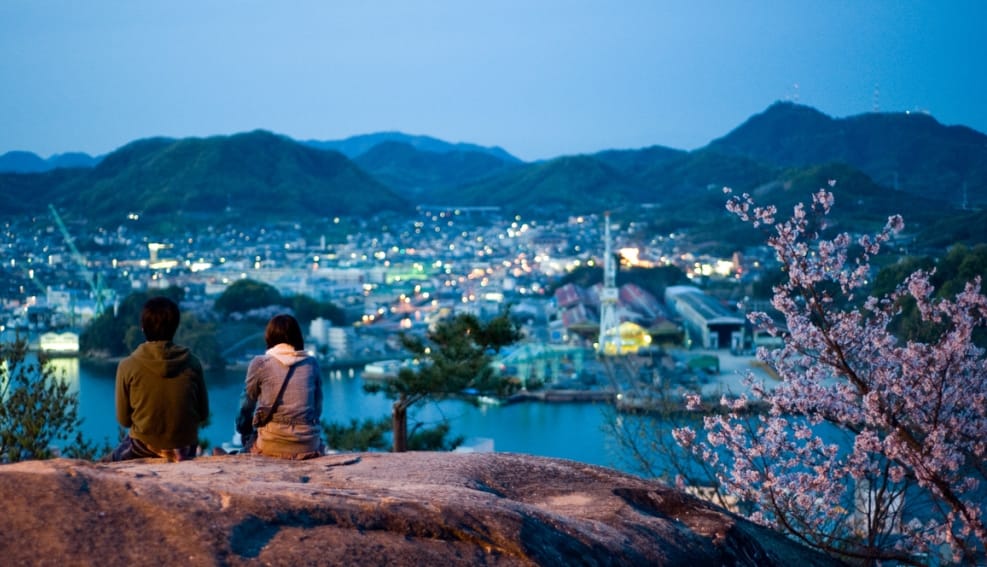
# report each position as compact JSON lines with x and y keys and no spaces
{"x":160,"y":392}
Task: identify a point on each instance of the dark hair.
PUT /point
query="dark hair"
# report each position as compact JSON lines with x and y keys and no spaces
{"x":284,"y":329}
{"x":159,"y":319}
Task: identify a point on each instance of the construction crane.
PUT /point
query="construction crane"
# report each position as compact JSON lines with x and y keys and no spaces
{"x":95,"y":281}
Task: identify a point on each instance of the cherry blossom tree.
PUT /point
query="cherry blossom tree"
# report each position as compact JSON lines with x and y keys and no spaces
{"x":873,"y":448}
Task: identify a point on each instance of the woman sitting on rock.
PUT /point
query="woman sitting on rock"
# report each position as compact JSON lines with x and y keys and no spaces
{"x":282,"y":401}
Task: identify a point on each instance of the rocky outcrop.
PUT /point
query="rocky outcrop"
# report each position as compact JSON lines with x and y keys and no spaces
{"x":366,"y":509}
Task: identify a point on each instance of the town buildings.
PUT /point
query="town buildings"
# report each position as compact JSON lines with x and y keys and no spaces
{"x":390,"y":275}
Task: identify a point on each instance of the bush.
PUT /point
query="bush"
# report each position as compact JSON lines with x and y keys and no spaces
{"x":37,"y":409}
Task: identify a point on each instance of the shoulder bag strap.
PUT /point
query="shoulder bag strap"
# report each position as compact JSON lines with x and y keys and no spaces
{"x":277,"y":399}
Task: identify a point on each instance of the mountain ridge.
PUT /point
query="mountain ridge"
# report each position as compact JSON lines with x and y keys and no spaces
{"x":258,"y":176}
{"x":354,"y":146}
{"x":18,"y":161}
{"x":417,"y":173}
{"x":908,"y":151}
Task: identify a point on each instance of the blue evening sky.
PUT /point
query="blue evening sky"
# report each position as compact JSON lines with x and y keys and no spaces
{"x":538,"y":78}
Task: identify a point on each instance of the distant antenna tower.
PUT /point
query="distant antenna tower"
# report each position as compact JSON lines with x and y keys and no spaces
{"x":609,"y":340}
{"x":877,"y":97}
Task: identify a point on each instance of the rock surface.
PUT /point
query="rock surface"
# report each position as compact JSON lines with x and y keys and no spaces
{"x":366,"y":509}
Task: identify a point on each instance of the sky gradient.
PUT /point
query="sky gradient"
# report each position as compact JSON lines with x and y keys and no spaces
{"x":538,"y":78}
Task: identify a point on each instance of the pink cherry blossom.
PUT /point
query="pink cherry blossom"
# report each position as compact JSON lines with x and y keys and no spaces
{"x":872,"y":448}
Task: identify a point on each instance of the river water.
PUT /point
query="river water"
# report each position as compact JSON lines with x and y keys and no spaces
{"x":566,"y":430}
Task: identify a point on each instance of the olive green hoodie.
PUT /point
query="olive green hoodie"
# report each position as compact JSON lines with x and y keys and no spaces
{"x":161,"y":395}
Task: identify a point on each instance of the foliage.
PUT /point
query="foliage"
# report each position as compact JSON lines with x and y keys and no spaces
{"x":245,"y":179}
{"x":554,"y":187}
{"x":307,"y":309}
{"x":909,"y":473}
{"x":433,"y":438}
{"x":120,"y":334}
{"x":415,"y":171}
{"x":948,"y":276}
{"x":82,"y":448}
{"x":259,"y":177}
{"x":967,"y":227}
{"x":907,"y":151}
{"x":251,"y":297}
{"x":370,"y":434}
{"x":201,"y":338}
{"x":358,"y":435}
{"x":37,"y":408}
{"x":686,"y":178}
{"x":455,"y":355}
{"x":117,"y":333}
{"x":246,"y":294}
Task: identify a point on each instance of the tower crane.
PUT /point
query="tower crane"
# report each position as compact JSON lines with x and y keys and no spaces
{"x":95,"y":281}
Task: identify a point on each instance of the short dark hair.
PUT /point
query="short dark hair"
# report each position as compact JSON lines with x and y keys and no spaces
{"x":159,"y":319}
{"x":284,"y":329}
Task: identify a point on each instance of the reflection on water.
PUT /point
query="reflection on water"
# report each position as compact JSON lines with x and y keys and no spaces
{"x":570,"y":430}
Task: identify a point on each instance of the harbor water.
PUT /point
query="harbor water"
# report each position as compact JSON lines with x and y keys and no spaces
{"x":570,"y":430}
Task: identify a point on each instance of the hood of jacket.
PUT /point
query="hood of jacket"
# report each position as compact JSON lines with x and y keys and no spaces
{"x":162,"y":358}
{"x":286,"y":354}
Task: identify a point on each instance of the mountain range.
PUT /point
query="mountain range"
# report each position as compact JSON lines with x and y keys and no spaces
{"x":28,"y":162}
{"x":911,"y":152}
{"x":883,"y":163}
{"x":357,"y":145}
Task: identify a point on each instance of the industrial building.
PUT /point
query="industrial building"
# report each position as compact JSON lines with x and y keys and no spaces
{"x":706,"y":320}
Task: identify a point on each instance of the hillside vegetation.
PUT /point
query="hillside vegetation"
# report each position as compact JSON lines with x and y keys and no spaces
{"x":881,"y":163}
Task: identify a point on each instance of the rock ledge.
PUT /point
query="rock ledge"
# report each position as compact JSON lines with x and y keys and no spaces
{"x":367,"y":509}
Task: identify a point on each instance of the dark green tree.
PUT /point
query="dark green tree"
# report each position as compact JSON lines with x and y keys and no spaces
{"x":960,"y":265}
{"x":201,"y":338}
{"x":117,"y":332}
{"x":307,"y":309}
{"x":372,"y":434}
{"x":244,"y":295}
{"x":358,"y":435}
{"x":433,"y":438}
{"x":37,"y":408}
{"x":120,"y":334}
{"x":453,"y":356}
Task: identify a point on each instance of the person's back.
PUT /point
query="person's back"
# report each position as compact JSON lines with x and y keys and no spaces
{"x":286,"y":382}
{"x":160,"y":391}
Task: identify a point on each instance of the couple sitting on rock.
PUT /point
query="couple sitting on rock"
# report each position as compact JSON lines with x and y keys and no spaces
{"x":161,"y":394}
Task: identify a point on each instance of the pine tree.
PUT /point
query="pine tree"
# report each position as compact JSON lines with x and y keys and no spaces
{"x":455,"y":355}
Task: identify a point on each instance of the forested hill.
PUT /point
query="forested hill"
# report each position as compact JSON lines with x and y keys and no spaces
{"x":355,"y":146}
{"x":251,"y":177}
{"x":883,"y":163}
{"x":419,"y":174}
{"x":28,"y":162}
{"x":910,"y":151}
